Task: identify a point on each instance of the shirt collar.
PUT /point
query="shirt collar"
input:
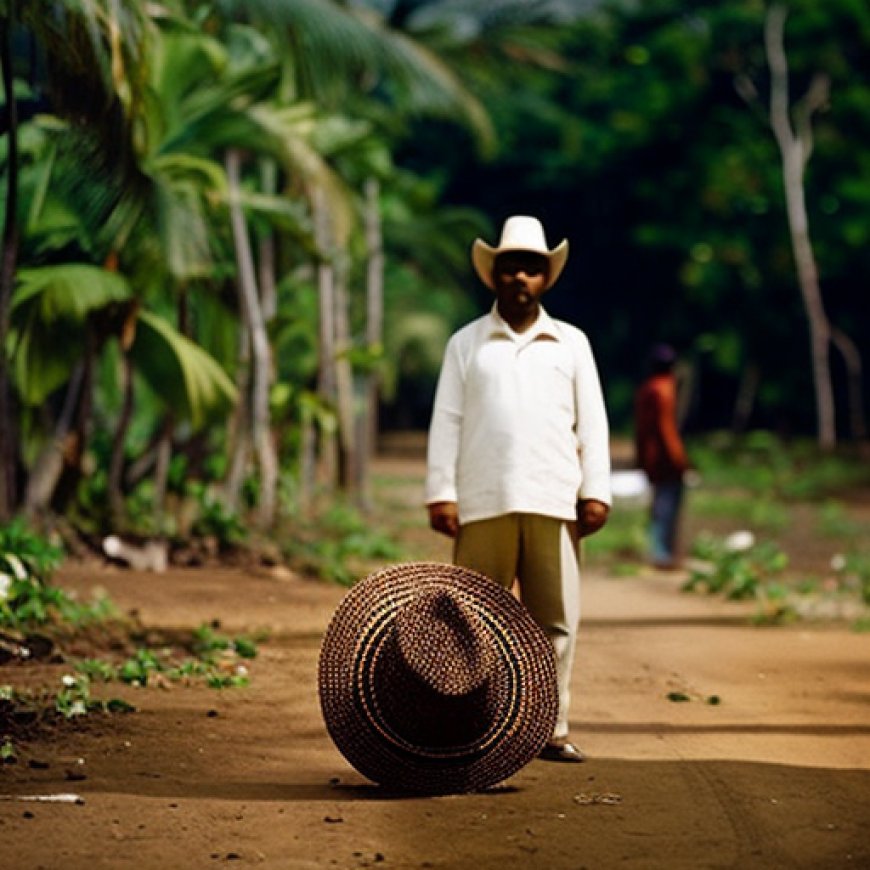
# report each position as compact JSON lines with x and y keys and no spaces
{"x":543,"y":327}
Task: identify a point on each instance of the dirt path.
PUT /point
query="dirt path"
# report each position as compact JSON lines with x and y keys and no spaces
{"x":776,"y":775}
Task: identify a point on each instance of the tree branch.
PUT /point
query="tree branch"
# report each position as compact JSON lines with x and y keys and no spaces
{"x":814,"y":99}
{"x":774,"y":29}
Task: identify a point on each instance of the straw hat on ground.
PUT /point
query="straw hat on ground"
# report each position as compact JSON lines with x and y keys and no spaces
{"x":519,"y":233}
{"x":433,"y":678}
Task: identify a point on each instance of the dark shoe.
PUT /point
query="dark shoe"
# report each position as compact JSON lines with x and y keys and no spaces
{"x":562,"y":750}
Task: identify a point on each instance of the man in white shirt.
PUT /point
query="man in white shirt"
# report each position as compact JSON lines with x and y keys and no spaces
{"x":518,"y":458}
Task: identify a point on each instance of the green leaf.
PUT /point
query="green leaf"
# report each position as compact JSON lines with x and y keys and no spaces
{"x":69,"y":291}
{"x":189,"y":379}
{"x":44,"y":356}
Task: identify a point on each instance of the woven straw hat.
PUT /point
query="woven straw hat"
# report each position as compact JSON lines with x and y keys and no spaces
{"x":433,"y":678}
{"x":519,"y":233}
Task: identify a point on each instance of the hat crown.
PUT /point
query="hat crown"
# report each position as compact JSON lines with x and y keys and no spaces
{"x":437,"y":628}
{"x":400,"y":730}
{"x":519,"y":233}
{"x":523,"y":233}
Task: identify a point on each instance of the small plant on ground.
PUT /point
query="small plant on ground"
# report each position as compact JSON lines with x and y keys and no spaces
{"x":340,"y":545}
{"x":28,"y":601}
{"x":741,"y":569}
{"x":27,"y":561}
{"x":216,"y":520}
{"x":215,"y":658}
{"x":734,"y":568}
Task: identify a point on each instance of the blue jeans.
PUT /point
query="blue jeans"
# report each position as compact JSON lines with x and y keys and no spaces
{"x":665,"y":514}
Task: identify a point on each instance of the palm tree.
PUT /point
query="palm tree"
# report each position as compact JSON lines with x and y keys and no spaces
{"x":348,"y":57}
{"x":89,"y":49}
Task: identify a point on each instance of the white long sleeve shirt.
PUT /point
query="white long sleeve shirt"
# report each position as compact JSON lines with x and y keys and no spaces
{"x":519,"y":423}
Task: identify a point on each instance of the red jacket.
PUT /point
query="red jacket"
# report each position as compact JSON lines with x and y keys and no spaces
{"x":660,"y":450}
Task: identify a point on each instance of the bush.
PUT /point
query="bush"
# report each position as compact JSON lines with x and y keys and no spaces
{"x":736,"y":572}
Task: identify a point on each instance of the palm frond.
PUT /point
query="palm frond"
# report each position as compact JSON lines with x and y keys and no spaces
{"x":190,"y":381}
{"x":49,"y":308}
{"x":337,"y":50}
{"x":70,"y":291}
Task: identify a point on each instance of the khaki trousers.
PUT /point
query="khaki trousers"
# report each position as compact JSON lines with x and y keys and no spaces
{"x":541,"y":554}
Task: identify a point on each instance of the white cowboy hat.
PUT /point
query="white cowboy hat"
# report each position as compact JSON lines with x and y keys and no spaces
{"x":519,"y":233}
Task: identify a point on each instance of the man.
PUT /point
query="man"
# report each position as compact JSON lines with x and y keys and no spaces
{"x":661,"y":453}
{"x":518,"y":460}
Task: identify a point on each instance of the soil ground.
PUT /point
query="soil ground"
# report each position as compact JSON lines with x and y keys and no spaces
{"x":775,"y":775}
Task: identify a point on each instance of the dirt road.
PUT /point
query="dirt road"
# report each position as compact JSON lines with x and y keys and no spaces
{"x":774,"y":775}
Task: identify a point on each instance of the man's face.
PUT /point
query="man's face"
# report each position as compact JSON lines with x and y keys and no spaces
{"x":520,"y":278}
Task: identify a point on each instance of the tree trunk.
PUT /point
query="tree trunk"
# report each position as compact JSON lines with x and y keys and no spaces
{"x":347,"y":437}
{"x":238,"y":435}
{"x":795,"y":148}
{"x":76,"y":440}
{"x":374,"y":334}
{"x":8,"y":494}
{"x":326,"y":373}
{"x":746,"y":395}
{"x":252,"y":317}
{"x":116,"y":462}
{"x":266,"y":248}
{"x":855,"y":378}
{"x":47,"y":469}
{"x":307,"y":464}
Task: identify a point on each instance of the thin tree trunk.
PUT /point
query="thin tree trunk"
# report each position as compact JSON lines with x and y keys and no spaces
{"x":854,"y":374}
{"x":239,"y":458}
{"x":8,"y":494}
{"x":266,"y":248}
{"x":374,"y":334}
{"x":47,"y":468}
{"x":326,"y":373}
{"x":116,"y":462}
{"x":238,"y":436}
{"x":795,"y":148}
{"x":307,"y":464}
{"x":347,"y":439}
{"x":76,"y":440}
{"x":161,"y":469}
{"x":261,"y":434}
{"x":746,"y":395}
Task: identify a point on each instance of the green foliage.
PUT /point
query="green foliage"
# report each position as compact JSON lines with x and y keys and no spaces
{"x":852,"y":574}
{"x":27,"y":554}
{"x":74,"y":699}
{"x":766,"y":466}
{"x":761,"y":511}
{"x":214,"y":519}
{"x":340,"y":545}
{"x":27,"y":561}
{"x":8,"y":754}
{"x":215,"y":661}
{"x":835,"y":522}
{"x":189,"y":380}
{"x":207,"y":643}
{"x":735,"y":573}
{"x":622,"y":543}
{"x":619,"y":122}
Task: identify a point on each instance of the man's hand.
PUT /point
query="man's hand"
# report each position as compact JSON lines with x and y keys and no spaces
{"x":591,"y":516}
{"x":444,"y":518}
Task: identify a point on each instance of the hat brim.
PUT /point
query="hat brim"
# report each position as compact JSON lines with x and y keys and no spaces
{"x":483,"y":259}
{"x":523,"y":715}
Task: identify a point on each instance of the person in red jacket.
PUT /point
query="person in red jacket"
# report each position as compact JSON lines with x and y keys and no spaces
{"x":661,"y":453}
